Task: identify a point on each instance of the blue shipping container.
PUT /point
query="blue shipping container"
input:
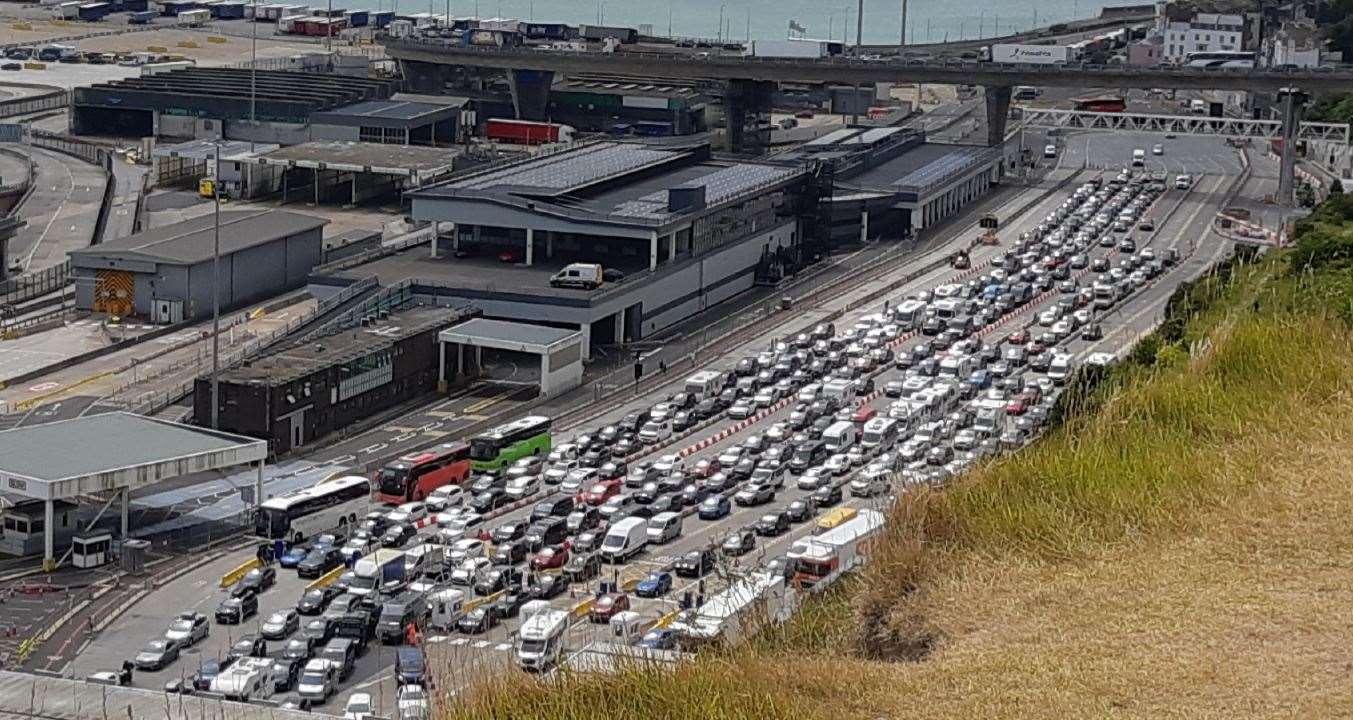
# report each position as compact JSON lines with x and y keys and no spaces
{"x":95,"y":11}
{"x":144,"y":17}
{"x":135,"y":5}
{"x":357,"y":18}
{"x":382,"y":18}
{"x":174,"y":7}
{"x":227,"y":11}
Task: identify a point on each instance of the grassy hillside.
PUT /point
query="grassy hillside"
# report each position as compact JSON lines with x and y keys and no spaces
{"x":1178,"y":547}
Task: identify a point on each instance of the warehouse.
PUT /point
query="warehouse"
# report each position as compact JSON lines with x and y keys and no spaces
{"x":677,"y":231}
{"x":293,"y":396}
{"x":201,"y":102}
{"x":624,"y":106}
{"x":165,"y":274}
{"x":390,"y":122}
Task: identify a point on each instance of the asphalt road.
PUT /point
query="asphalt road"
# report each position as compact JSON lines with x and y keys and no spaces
{"x":61,"y":212}
{"x":1187,"y":225}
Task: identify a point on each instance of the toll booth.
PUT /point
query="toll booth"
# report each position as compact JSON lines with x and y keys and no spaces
{"x":25,"y":524}
{"x":87,"y":551}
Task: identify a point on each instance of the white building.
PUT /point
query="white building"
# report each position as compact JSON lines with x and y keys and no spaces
{"x":1206,"y":32}
{"x":1296,"y":43}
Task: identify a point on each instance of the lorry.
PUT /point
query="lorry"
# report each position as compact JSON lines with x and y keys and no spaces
{"x":598,"y":33}
{"x":540,"y":642}
{"x":755,"y":601}
{"x":527,"y":132}
{"x":791,"y":48}
{"x":374,"y":570}
{"x":1031,"y":54}
{"x":820,"y":559}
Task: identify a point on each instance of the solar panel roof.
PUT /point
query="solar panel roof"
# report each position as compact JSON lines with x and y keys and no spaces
{"x":572,"y":169}
{"x":720,"y":185}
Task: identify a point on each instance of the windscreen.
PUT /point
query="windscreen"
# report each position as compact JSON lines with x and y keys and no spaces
{"x":392,"y":480}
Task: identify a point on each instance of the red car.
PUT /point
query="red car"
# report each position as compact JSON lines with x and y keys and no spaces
{"x":705,"y":468}
{"x":602,"y":491}
{"x":551,"y":558}
{"x":1018,"y":337}
{"x":510,"y":256}
{"x":607,"y":606}
{"x":864,"y":414}
{"x":1016,"y":406}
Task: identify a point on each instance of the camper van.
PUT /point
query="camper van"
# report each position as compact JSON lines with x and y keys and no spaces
{"x":541,"y":639}
{"x":448,"y":606}
{"x":840,"y":436}
{"x":705,"y":384}
{"x":578,"y":275}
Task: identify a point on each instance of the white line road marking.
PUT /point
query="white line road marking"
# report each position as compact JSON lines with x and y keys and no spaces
{"x":369,"y":449}
{"x":342,"y":459}
{"x":403,"y":438}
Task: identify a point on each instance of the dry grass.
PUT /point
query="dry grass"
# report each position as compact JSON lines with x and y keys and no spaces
{"x":1181,"y":552}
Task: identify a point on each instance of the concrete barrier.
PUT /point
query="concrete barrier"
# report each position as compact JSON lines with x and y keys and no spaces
{"x":582,"y":609}
{"x":472,"y":604}
{"x":326,"y":579}
{"x":243,"y":569}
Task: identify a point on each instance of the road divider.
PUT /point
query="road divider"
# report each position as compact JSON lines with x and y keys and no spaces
{"x":326,"y":579}
{"x":240,"y":571}
{"x":582,"y":609}
{"x":491,"y":598}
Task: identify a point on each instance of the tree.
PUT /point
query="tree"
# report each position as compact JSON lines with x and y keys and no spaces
{"x":1336,"y":187}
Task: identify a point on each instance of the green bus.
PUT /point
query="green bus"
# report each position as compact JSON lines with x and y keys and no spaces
{"x":505,"y":444}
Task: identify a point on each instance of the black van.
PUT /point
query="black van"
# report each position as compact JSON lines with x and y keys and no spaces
{"x":342,"y":651}
{"x":358,"y":625}
{"x":814,"y":452}
{"x":545,"y":532}
{"x":410,"y":666}
{"x":397,"y":614}
{"x":554,"y":507}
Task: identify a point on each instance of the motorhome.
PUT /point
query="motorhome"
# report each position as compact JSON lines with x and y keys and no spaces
{"x":705,"y":384}
{"x":840,"y":436}
{"x":757,"y":600}
{"x":879,"y":432}
{"x":821,"y":559}
{"x":540,"y":642}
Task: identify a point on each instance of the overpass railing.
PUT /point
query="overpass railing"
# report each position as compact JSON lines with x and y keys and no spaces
{"x":956,"y":66}
{"x":1180,"y":124}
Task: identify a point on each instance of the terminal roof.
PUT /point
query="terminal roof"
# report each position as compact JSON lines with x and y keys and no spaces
{"x":501,"y":332}
{"x":98,"y":453}
{"x":191,"y":241}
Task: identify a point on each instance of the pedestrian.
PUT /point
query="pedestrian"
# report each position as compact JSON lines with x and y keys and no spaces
{"x":662,"y":366}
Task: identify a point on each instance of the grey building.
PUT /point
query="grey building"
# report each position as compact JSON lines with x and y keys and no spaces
{"x":166,"y":273}
{"x":390,"y":122}
{"x":687,"y":231}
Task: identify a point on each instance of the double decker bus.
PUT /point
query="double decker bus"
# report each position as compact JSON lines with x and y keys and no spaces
{"x":506,"y":443}
{"x":416,"y":475}
{"x":332,"y":505}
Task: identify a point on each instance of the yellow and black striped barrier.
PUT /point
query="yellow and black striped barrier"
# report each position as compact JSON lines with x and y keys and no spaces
{"x":234,"y":576}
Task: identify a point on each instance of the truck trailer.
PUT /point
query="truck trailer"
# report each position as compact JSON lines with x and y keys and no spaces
{"x":374,"y":570}
{"x":527,"y":132}
{"x":1031,"y":54}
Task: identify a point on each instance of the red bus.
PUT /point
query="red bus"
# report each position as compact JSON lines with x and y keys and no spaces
{"x":414,"y":476}
{"x":1101,"y":104}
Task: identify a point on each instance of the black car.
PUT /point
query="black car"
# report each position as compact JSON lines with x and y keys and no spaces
{"x":508,"y":532}
{"x":509,"y":553}
{"x":692,"y":495}
{"x":375,"y":523}
{"x":398,"y":614}
{"x":826,"y":496}
{"x":319,"y":561}
{"x":489,"y":500}
{"x":707,"y":408}
{"x":285,"y":670}
{"x":477,"y":621}
{"x":633,"y":421}
{"x":509,"y":604}
{"x":398,"y":535}
{"x":547,"y":531}
{"x":208,"y":672}
{"x":772,"y":524}
{"x":696,"y":563}
{"x":499,"y":579}
{"x":235,"y":610}
{"x":546,"y":587}
{"x":316,"y":601}
{"x":259,"y":579}
{"x":800,"y":511}
{"x":248,"y":646}
{"x":554,"y":507}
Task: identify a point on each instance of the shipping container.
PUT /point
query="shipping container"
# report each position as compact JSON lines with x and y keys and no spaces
{"x":492,"y":38}
{"x":132,"y":6}
{"x":329,"y":12}
{"x":601,"y":32}
{"x":357,"y":18}
{"x":145,"y":17}
{"x":381,"y":18}
{"x":500,"y":24}
{"x":548,"y":31}
{"x":227,"y":10}
{"x":1031,"y":54}
{"x":173,"y":8}
{"x":67,"y":10}
{"x":294,"y":11}
{"x":653,"y":129}
{"x":527,"y":132}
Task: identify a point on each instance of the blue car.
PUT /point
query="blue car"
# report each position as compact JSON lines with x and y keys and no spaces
{"x":293,"y":556}
{"x":655,"y":585}
{"x":659,"y":639}
{"x":715,"y":507}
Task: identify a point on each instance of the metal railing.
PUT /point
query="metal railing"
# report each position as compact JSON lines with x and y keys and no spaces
{"x":36,"y":284}
{"x":35,"y":103}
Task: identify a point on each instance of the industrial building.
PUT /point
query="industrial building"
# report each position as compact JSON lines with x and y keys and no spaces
{"x":166,"y":273}
{"x":622,"y":106}
{"x":389,"y":122}
{"x":306,"y":390}
{"x":201,"y":102}
{"x":686,"y":231}
{"x":890,"y":183}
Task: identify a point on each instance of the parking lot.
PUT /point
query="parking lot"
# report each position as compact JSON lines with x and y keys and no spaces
{"x":1181,"y":218}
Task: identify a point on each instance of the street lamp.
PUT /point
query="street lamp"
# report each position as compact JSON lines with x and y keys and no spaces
{"x":216,"y":294}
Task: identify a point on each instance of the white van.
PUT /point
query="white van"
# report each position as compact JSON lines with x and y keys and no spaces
{"x":624,"y":540}
{"x":879,"y":432}
{"x":578,"y":275}
{"x":655,"y":431}
{"x":839,"y":437}
{"x":664,"y":527}
{"x":1049,"y":151}
{"x":1060,"y":369}
{"x":704,"y":384}
{"x":909,"y":314}
{"x":1138,"y":157}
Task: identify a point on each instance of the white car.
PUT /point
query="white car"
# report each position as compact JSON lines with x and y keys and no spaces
{"x":813,"y":478}
{"x":468,"y":572}
{"x":1049,"y":317}
{"x":838,"y":464}
{"x":666,"y":464}
{"x":523,"y":487}
{"x":731,"y":455}
{"x":1157,"y":149}
{"x":1183,"y":182}
{"x":358,"y":707}
{"x":1062,"y":329}
{"x":409,"y":512}
{"x":465,"y":549}
{"x":559,"y":470}
{"x":764,"y":397}
{"x":966,"y":439}
{"x":741,"y":409}
{"x":412,"y":702}
{"x":446,"y":496}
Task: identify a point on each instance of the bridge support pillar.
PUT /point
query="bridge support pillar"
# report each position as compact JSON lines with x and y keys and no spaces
{"x":746,"y":105}
{"x":1292,"y":101}
{"x":998,"y":110}
{"x":530,"y":92}
{"x":425,"y":78}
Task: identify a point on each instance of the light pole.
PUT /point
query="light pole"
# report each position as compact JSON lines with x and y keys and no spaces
{"x":721,"y":8}
{"x":216,"y":295}
{"x":903,"y":41}
{"x":859,"y":27}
